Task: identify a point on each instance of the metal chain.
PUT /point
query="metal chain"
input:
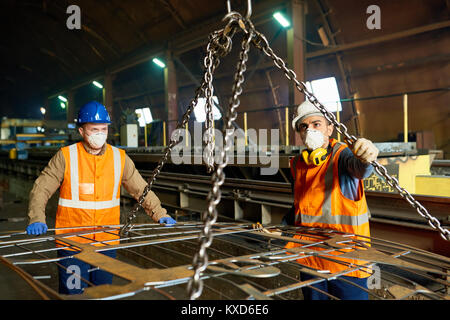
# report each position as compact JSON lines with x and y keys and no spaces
{"x":261,"y":43}
{"x":215,"y":48}
{"x":200,"y":261}
{"x":209,"y":89}
{"x":173,"y":142}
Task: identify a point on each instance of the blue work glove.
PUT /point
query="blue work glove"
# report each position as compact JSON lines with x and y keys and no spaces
{"x":37,"y":228}
{"x":167,"y":220}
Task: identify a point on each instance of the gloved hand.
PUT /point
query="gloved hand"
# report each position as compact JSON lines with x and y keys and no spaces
{"x":37,"y":228}
{"x":167,"y":220}
{"x":365,"y":150}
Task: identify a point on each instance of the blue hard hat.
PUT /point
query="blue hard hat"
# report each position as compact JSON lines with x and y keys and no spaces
{"x":93,"y":112}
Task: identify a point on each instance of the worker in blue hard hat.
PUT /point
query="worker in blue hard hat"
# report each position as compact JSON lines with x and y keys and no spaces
{"x":89,"y":175}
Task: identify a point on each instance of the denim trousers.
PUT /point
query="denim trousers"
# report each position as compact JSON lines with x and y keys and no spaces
{"x":338,"y":288}
{"x":69,"y":275}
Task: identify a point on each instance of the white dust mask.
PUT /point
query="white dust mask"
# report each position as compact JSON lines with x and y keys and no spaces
{"x":97,"y":140}
{"x":314,"y":139}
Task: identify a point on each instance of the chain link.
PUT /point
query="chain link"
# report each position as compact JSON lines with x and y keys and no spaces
{"x":200,"y":261}
{"x":209,"y":90}
{"x":261,"y":43}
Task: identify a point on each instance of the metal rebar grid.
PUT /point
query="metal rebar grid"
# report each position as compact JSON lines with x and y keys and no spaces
{"x":153,"y":261}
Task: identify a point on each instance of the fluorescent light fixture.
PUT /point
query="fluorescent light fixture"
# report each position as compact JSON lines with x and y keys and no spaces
{"x":323,"y":36}
{"x":326,"y":91}
{"x":63,"y":105}
{"x":43,"y":110}
{"x":97,"y":84}
{"x":200,"y":109}
{"x":62,"y":98}
{"x":159,"y":63}
{"x":144,"y":116}
{"x":281,"y":19}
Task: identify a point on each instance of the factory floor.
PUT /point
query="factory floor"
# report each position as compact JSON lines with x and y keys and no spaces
{"x":13,"y":218}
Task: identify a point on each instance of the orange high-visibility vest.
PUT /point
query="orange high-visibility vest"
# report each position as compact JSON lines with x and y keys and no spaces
{"x":319,"y":203}
{"x":90,"y":192}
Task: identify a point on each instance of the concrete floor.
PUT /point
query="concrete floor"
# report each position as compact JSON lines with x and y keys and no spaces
{"x":13,"y":218}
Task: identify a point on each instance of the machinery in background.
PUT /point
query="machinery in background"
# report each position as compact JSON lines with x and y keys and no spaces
{"x":129,"y":134}
{"x":18,"y":135}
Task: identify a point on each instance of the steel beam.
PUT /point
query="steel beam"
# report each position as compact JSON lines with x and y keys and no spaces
{"x":296,"y":53}
{"x":381,"y":39}
{"x":171,"y":92}
{"x":344,"y":77}
{"x":108,"y":100}
{"x":70,"y":109}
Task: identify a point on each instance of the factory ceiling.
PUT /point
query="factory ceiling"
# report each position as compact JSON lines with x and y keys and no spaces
{"x":39,"y":55}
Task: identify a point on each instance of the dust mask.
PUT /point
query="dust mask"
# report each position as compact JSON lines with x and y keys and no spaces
{"x":314,"y":139}
{"x":97,"y":140}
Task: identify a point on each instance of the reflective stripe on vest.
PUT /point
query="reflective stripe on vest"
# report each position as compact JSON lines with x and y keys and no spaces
{"x":337,"y":219}
{"x":97,"y":205}
{"x":327,"y":217}
{"x":75,"y":202}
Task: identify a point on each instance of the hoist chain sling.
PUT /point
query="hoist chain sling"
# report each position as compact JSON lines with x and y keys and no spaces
{"x":200,"y":262}
{"x":219,"y":45}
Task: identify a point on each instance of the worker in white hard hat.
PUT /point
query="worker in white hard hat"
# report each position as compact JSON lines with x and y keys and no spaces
{"x":329,"y":194}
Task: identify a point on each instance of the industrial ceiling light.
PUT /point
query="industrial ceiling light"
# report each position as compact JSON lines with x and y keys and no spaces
{"x":43,"y":110}
{"x":281,"y":19}
{"x":323,"y":36}
{"x":97,"y":84}
{"x":62,"y":98}
{"x":159,"y":63}
{"x":63,"y":105}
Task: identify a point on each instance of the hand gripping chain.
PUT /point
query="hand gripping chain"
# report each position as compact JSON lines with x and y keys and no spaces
{"x":219,"y":45}
{"x":262,"y":44}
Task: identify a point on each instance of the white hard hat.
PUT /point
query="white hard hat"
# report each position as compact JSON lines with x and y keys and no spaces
{"x":305,"y":109}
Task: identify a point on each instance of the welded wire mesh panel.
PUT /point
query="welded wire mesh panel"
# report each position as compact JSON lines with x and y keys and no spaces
{"x":154,"y":262}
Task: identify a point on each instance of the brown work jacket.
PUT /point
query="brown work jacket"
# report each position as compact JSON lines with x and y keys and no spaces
{"x":52,"y":176}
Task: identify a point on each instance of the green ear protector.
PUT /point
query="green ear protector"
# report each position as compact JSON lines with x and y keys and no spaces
{"x":315,"y":157}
